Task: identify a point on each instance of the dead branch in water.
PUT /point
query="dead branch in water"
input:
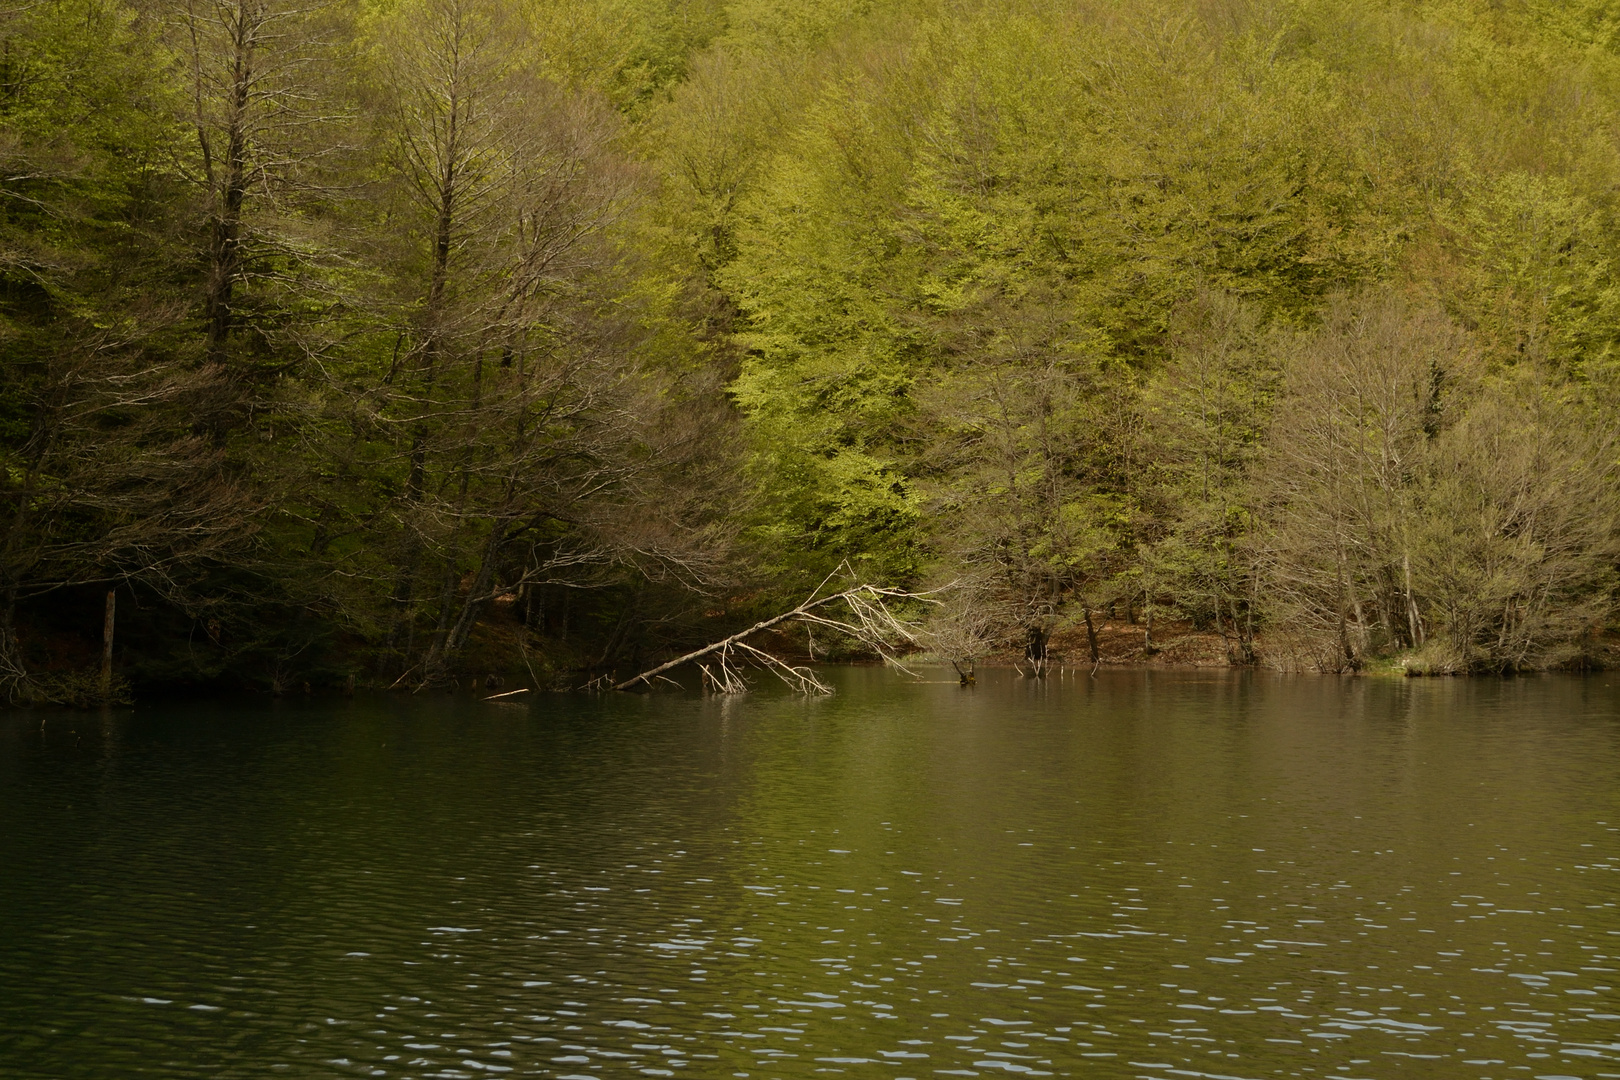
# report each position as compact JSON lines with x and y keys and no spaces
{"x":866,"y":617}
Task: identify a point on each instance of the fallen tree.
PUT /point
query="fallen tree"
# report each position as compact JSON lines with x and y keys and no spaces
{"x":865,"y":615}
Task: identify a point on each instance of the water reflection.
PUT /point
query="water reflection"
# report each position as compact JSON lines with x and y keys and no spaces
{"x":1143,"y":874}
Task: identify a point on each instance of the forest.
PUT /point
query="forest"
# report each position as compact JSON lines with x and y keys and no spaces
{"x":405,"y":342}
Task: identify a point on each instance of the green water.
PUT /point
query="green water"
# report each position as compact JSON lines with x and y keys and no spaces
{"x":1138,"y":875}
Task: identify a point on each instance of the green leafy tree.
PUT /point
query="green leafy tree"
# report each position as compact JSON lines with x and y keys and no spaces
{"x":1207,"y":414}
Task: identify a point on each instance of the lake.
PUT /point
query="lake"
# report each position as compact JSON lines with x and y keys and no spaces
{"x":1142,"y":874}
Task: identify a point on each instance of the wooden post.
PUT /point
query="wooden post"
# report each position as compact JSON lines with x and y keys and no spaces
{"x":107,"y":644}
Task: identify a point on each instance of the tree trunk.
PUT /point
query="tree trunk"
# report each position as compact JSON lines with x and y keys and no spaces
{"x":1413,"y":619}
{"x":1243,"y":628}
{"x":621,"y":628}
{"x":1035,"y":651}
{"x":478,"y":594}
{"x":13,"y":675}
{"x":1091,"y":635}
{"x":107,"y":645}
{"x":229,"y":180}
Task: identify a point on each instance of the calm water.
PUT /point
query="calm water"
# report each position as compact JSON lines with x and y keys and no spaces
{"x":1140,"y":875}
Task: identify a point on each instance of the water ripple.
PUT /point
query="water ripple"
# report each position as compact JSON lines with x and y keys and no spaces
{"x":1141,"y":875}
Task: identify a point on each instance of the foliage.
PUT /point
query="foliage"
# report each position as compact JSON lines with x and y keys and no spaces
{"x":408,"y":338}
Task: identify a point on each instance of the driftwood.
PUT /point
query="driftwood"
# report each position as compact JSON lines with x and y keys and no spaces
{"x":869,"y":620}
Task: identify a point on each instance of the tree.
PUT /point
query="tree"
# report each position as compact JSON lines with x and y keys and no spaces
{"x":259,"y":99}
{"x":103,"y":480}
{"x":1022,"y":501}
{"x":1365,"y":395}
{"x":1206,"y":414}
{"x":1515,"y":549}
{"x":530,"y":438}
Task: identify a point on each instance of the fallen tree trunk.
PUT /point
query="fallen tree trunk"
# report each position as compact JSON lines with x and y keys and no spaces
{"x":873,"y":624}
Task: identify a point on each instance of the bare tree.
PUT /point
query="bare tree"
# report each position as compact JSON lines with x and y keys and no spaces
{"x":963,"y":626}
{"x":1515,"y":550}
{"x":535,"y":447}
{"x":102,"y":477}
{"x":257,"y":86}
{"x":1365,"y":395}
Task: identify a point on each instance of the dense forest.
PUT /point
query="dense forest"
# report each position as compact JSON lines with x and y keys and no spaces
{"x":394,"y":342}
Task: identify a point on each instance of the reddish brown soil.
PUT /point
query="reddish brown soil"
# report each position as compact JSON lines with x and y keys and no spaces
{"x":1175,"y":644}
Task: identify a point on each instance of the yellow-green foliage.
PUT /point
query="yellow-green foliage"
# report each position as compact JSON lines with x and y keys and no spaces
{"x":1268,"y":314}
{"x":1008,"y":187}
